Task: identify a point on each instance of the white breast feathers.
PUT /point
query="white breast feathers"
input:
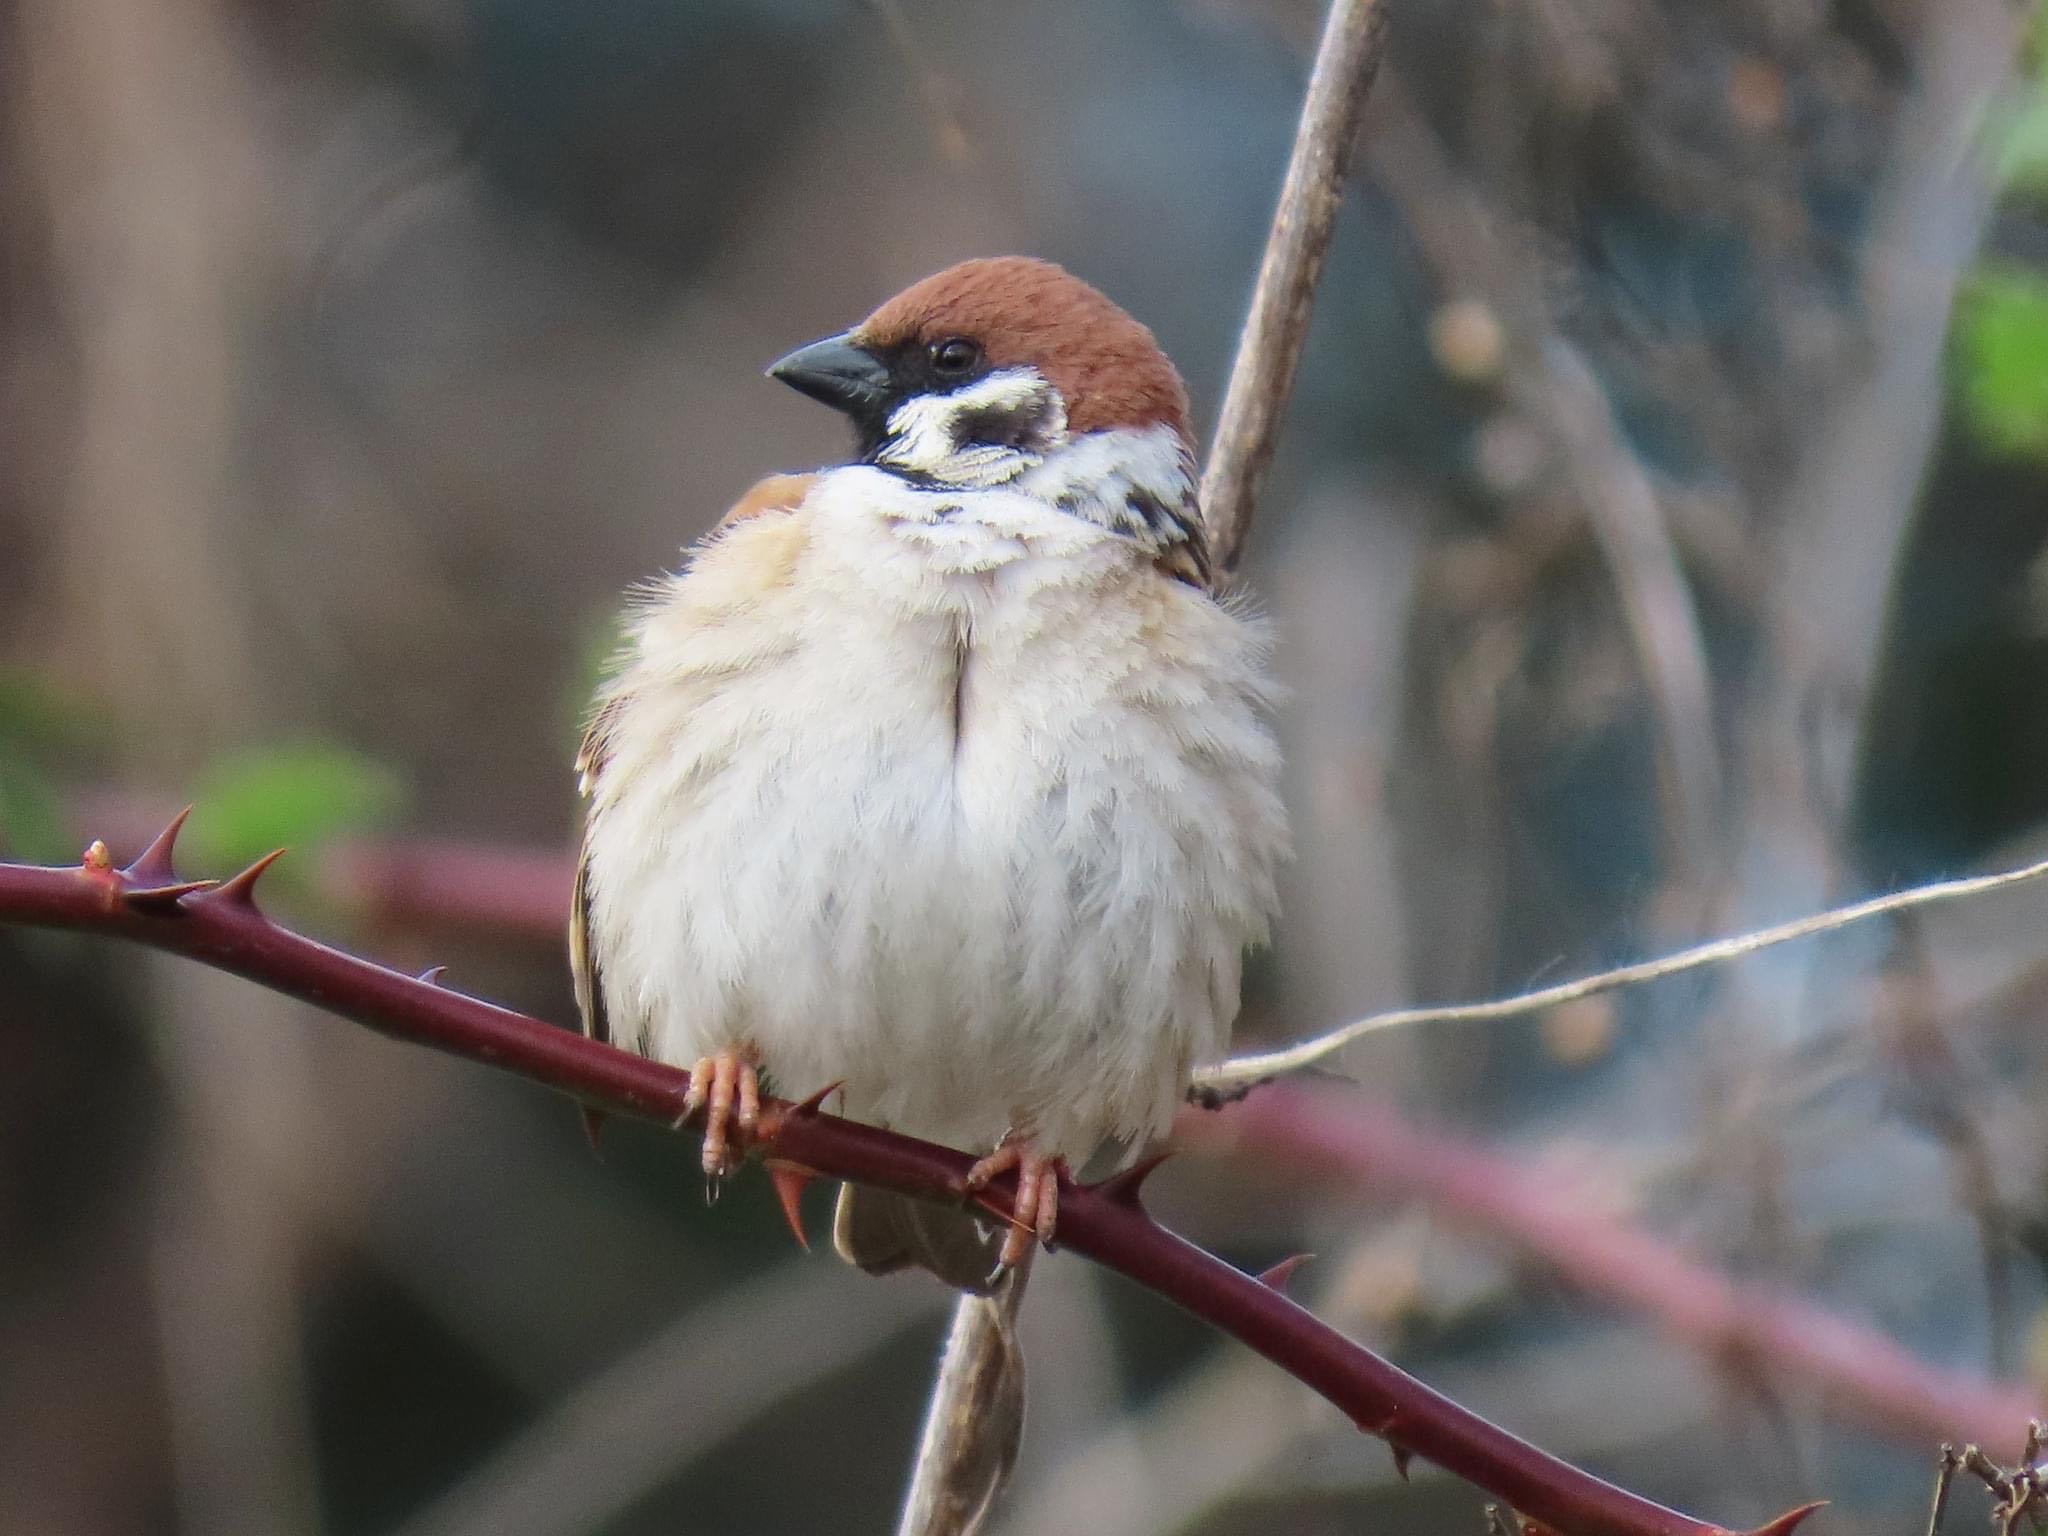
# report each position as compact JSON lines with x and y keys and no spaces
{"x":953,"y":796}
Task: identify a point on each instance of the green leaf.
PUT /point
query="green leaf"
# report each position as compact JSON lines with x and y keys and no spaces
{"x":32,"y":824}
{"x":2002,"y":351}
{"x":287,"y":797}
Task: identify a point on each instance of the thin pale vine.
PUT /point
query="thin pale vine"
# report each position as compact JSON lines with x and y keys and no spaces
{"x":1235,"y":1077}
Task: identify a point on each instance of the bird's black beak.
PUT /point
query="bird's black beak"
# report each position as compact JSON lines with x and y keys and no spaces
{"x":837,"y":373}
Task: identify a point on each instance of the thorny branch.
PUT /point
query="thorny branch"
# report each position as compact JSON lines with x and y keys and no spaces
{"x":220,"y":925}
{"x":428,"y":886}
{"x":1262,"y":377}
{"x":1862,"y":1374}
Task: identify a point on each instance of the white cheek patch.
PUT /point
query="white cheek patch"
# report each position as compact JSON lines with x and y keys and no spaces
{"x":936,"y":434}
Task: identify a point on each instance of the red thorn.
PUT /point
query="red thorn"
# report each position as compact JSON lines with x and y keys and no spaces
{"x":241,"y":890}
{"x":1277,"y":1277}
{"x":96,"y":860}
{"x":432,"y":977}
{"x":1402,"y":1456}
{"x":593,"y":1120}
{"x":810,"y":1106}
{"x":1788,"y":1522}
{"x":1123,"y":1188}
{"x":157,"y":898}
{"x":791,"y":1180}
{"x":154,"y":866}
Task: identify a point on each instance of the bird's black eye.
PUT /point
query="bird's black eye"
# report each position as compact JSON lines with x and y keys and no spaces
{"x":954,"y":357}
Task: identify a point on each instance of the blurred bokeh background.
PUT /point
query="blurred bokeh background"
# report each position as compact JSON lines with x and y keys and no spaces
{"x":1659,"y":546}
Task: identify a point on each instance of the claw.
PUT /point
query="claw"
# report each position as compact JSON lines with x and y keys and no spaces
{"x":727,"y":1087}
{"x":1035,"y":1211}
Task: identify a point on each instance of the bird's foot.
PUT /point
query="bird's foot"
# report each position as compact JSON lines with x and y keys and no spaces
{"x":727,"y":1087}
{"x":1036,"y":1212}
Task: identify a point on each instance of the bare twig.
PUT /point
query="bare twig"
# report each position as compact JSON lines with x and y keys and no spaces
{"x":1944,"y":1479}
{"x":2016,"y":1495}
{"x":1262,"y":377}
{"x":975,"y":1420}
{"x":1230,"y":1078}
{"x":220,"y":925}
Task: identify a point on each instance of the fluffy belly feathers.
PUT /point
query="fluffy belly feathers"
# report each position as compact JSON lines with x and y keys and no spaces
{"x":959,"y":838}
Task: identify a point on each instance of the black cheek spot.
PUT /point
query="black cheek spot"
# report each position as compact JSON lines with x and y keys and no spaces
{"x":1001,"y":427}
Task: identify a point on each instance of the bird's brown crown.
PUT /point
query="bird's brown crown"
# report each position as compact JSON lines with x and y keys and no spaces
{"x":1020,"y":311}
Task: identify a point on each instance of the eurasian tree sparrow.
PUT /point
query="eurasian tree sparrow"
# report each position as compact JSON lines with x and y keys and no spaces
{"x":941,"y":774}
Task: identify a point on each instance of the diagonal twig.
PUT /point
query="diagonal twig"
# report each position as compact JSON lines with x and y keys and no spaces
{"x":1262,"y":377}
{"x":221,"y":925}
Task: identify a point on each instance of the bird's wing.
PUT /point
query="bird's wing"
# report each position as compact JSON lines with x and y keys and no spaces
{"x":1181,"y":541}
{"x":582,"y":961}
{"x":777,"y":493}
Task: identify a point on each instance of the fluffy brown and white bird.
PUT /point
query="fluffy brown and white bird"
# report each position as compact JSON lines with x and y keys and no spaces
{"x":942,"y":773}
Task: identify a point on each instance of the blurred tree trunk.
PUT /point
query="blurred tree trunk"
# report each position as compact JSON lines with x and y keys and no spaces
{"x":143,"y":163}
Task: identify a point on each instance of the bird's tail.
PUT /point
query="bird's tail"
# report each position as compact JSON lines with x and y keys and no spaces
{"x":883,"y":1232}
